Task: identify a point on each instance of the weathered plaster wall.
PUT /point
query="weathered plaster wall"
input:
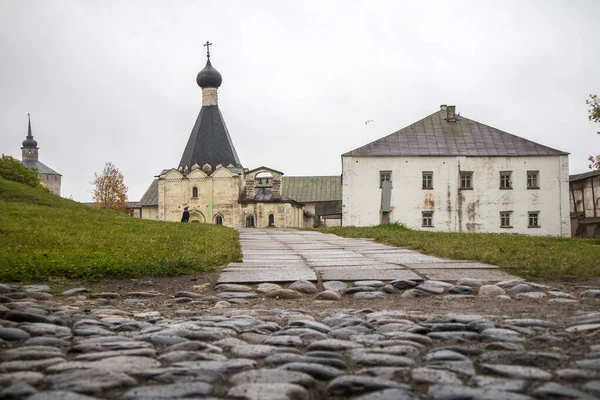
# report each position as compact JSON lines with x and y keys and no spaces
{"x":150,"y":212}
{"x":585,"y":197}
{"x":285,"y":214}
{"x":584,"y":205}
{"x":52,"y":182}
{"x":216,"y":194}
{"x":456,"y":210}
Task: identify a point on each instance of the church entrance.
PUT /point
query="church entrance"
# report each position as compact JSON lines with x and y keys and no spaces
{"x":250,"y":221}
{"x":197,"y":216}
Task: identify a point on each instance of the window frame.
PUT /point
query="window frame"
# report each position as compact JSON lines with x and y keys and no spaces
{"x":427,"y":216}
{"x":195,"y":192}
{"x":382,"y":177}
{"x":508,"y":176}
{"x":505,"y":216}
{"x":537,"y":179}
{"x":465,"y":174}
{"x":427,"y":180}
{"x":536,"y":215}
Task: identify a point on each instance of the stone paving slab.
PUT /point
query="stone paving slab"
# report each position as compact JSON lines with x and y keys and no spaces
{"x":345,"y":274}
{"x":248,"y":275}
{"x":285,"y":255}
{"x":268,"y":264}
{"x":457,"y":274}
{"x":347,"y":262}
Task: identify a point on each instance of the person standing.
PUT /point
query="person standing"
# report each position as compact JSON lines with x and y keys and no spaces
{"x":186,"y":215}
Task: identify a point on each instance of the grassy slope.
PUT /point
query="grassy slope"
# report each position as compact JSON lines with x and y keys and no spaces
{"x":526,"y":256}
{"x":42,"y":236}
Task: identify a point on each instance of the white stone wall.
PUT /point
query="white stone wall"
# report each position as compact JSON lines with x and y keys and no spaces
{"x":209,"y":97}
{"x":52,"y":182}
{"x":456,"y":210}
{"x":150,"y":212}
{"x":285,"y":214}
{"x":217,"y":194}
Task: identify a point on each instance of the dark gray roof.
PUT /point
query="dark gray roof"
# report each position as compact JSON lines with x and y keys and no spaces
{"x":209,"y":141}
{"x":40,"y":166}
{"x":312,"y":188}
{"x":584,"y":175}
{"x":150,"y":198}
{"x":266,"y":195}
{"x":434,"y":136}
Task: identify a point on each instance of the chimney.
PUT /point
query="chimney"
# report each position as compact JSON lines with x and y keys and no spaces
{"x":451,"y":114}
{"x":443,"y":107}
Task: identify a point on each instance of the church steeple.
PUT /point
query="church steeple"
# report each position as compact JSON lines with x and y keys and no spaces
{"x":209,"y":142}
{"x":29,"y":151}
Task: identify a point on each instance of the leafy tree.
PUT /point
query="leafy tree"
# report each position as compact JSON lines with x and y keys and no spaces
{"x":13,"y":170}
{"x":594,"y":103}
{"x":110,"y":190}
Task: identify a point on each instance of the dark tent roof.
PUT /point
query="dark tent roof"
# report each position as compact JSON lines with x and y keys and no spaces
{"x":150,"y":198}
{"x":40,"y":166}
{"x":209,"y":141}
{"x":435,"y":136}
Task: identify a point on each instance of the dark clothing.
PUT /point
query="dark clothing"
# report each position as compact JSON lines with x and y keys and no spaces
{"x":186,"y":216}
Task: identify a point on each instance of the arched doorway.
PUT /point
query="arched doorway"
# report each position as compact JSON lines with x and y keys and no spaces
{"x":197,"y":216}
{"x":271,"y":220}
{"x":250,"y":221}
{"x":219,"y":219}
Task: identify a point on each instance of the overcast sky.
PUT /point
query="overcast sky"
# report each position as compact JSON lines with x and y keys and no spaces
{"x":115,"y":80}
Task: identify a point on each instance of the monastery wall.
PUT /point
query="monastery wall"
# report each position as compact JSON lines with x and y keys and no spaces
{"x":52,"y":182}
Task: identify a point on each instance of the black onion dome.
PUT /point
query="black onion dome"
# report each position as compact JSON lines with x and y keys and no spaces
{"x":29,"y":142}
{"x":209,"y":77}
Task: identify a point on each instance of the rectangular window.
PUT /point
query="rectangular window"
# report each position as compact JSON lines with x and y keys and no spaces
{"x":428,"y":218}
{"x":533,"y":180}
{"x":427,"y":180}
{"x":505,"y":180}
{"x":384,"y":176}
{"x":534,"y":219}
{"x":466,"y":180}
{"x":505,"y":219}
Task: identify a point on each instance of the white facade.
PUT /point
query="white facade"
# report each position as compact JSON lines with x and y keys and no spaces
{"x":454,"y":209}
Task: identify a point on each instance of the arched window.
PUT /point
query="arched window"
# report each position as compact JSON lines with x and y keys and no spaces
{"x":219,"y":219}
{"x":271,"y":220}
{"x":250,"y":221}
{"x":194,"y":191}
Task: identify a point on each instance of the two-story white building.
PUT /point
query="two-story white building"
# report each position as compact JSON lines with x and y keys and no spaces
{"x":452,"y":174}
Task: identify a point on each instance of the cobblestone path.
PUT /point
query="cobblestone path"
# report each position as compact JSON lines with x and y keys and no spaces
{"x":82,"y":344}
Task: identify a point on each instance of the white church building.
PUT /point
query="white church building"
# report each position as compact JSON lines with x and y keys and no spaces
{"x":449,"y":173}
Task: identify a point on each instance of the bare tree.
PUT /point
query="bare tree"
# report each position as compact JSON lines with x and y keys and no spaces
{"x":110,"y":190}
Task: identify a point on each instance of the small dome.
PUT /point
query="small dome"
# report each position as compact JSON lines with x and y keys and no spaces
{"x":209,"y":77}
{"x":29,"y":142}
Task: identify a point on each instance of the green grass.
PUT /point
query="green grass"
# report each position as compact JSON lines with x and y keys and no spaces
{"x":526,"y":256}
{"x":43,"y":236}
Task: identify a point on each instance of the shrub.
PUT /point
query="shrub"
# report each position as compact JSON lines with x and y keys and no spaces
{"x":13,"y":170}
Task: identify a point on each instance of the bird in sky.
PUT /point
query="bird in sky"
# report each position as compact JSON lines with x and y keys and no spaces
{"x":366,"y":122}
